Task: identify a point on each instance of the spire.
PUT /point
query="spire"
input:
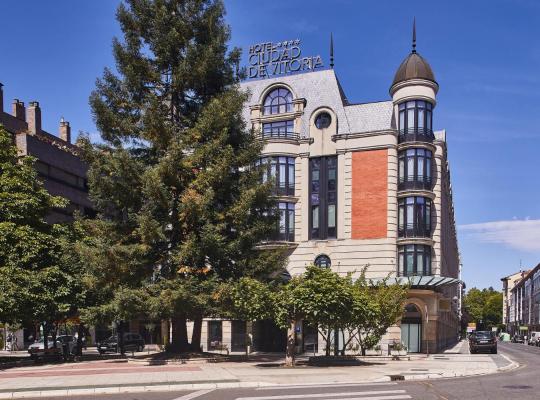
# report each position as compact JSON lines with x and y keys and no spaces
{"x":414,"y":35}
{"x":331,"y":51}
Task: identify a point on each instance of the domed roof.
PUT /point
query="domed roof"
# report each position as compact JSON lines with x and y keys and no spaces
{"x":414,"y":67}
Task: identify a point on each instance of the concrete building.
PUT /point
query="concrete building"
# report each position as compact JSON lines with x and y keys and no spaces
{"x":58,"y":162}
{"x":524,"y":302}
{"x":358,"y":184}
{"x":508,"y":283}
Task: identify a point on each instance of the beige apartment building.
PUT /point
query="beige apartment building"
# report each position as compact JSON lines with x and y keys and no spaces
{"x":358,"y":184}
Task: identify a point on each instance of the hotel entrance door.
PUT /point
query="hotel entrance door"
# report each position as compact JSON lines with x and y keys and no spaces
{"x":411,"y":329}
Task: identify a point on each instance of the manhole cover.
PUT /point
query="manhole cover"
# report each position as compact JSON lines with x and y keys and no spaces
{"x":517,"y":387}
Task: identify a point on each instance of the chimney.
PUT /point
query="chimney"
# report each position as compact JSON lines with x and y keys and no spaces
{"x":1,"y":99}
{"x":18,"y":109}
{"x":34,"y":117}
{"x":65,"y":131}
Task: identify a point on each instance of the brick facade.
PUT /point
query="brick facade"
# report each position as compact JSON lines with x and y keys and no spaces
{"x":369,"y":194}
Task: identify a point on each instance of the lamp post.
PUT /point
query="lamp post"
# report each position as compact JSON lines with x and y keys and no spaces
{"x":427,"y":331}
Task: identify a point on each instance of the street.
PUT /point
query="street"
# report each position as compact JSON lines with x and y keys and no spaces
{"x":522,"y":383}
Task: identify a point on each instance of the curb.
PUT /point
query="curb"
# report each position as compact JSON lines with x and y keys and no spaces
{"x":53,"y":392}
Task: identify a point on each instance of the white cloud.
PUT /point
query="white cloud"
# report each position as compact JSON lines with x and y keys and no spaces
{"x":518,"y":234}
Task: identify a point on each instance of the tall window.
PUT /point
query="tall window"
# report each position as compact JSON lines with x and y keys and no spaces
{"x":415,"y":116}
{"x":415,"y":169}
{"x":278,"y":101}
{"x":278,"y":129}
{"x":414,"y":217}
{"x":323,"y":197}
{"x":286,"y":222}
{"x":282,"y":170}
{"x":414,"y":259}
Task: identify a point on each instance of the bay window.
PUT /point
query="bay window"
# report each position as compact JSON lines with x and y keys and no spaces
{"x":414,"y":167}
{"x":414,"y":217}
{"x":414,"y":259}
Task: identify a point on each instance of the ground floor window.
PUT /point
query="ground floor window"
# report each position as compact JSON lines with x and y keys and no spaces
{"x":215,"y":335}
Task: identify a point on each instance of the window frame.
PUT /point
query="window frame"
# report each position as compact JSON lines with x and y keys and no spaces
{"x":288,"y":215}
{"x":279,"y":129}
{"x":414,"y":250}
{"x":327,"y":193}
{"x":284,"y":99}
{"x":406,"y":180}
{"x":414,"y":108}
{"x":326,"y":261}
{"x":274,"y":163}
{"x":420,"y":209}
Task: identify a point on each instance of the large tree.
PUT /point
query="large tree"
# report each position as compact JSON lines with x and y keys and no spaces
{"x":37,"y":282}
{"x":484,"y":306}
{"x":172,"y":180}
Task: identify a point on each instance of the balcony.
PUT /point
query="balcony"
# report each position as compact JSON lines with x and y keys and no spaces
{"x":414,"y":231}
{"x":412,"y":182}
{"x":416,"y":135}
{"x":283,"y":189}
{"x":280,"y":135}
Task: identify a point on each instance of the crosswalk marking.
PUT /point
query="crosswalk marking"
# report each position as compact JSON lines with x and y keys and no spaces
{"x":346,"y":395}
{"x":397,"y":397}
{"x":323,"y":385}
{"x":194,"y":395}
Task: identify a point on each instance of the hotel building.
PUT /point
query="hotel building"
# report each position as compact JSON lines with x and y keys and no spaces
{"x":359,"y":184}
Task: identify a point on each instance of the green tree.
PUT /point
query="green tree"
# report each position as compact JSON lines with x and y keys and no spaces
{"x":484,"y":306}
{"x":37,"y":281}
{"x":173,"y":180}
{"x":377,"y":306}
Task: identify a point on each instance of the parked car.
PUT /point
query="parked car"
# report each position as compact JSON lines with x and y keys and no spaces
{"x":518,"y":339}
{"x":482,"y":340}
{"x":132,"y":342}
{"x":37,"y":349}
{"x":533,"y":338}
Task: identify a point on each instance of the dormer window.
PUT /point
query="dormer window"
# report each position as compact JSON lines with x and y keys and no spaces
{"x":278,"y":101}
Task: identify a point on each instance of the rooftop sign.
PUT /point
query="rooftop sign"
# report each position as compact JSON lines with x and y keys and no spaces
{"x":271,"y":59}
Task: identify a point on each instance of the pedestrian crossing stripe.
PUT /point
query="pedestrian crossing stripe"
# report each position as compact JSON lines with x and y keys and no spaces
{"x":375,"y":395}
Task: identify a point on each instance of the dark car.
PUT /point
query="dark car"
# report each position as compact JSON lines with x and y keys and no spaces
{"x":132,"y":342}
{"x":483,"y":340}
{"x":518,"y":339}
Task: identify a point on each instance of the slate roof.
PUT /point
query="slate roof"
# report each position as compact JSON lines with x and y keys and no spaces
{"x":322,"y":89}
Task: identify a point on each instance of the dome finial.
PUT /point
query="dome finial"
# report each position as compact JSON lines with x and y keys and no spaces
{"x":414,"y":35}
{"x":331,"y":51}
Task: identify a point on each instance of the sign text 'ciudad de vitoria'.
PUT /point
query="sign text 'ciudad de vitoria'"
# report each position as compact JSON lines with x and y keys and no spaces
{"x":269,"y":59}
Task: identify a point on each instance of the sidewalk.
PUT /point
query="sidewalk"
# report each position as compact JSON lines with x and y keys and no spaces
{"x":120,"y":376}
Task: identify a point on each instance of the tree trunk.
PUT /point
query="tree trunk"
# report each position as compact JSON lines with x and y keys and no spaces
{"x":80,"y":334}
{"x":179,"y":339}
{"x":289,"y":356}
{"x":196,"y":335}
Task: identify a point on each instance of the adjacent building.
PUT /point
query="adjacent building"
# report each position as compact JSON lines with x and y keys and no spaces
{"x":58,"y":162}
{"x":523,"y":312}
{"x":358,"y":184}
{"x":508,"y":284}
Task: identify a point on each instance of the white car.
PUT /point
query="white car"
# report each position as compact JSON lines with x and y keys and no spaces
{"x":37,"y":349}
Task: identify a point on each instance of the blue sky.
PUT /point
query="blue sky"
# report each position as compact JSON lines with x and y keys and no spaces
{"x":485,"y":55}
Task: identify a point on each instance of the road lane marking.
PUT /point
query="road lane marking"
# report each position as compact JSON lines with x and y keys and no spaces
{"x":194,"y":395}
{"x":323,"y":385}
{"x":398,"y":397}
{"x":319,"y":395}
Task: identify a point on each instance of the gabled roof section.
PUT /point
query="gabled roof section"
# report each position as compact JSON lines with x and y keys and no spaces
{"x":323,"y":89}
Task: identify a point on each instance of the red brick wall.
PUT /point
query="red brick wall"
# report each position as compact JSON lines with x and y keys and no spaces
{"x":369,"y":194}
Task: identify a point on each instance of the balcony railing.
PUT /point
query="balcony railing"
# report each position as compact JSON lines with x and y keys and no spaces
{"x":281,"y":237}
{"x":414,"y":231}
{"x":412,"y":182}
{"x":416,"y":135}
{"x":279,"y":135}
{"x":284,"y":189}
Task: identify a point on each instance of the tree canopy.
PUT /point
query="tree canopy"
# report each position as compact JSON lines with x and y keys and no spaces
{"x":485,"y":306}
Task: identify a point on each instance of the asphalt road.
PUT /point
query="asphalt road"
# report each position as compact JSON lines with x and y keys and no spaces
{"x":521,"y":383}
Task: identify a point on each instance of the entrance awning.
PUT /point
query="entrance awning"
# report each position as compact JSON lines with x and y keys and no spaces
{"x":427,"y":282}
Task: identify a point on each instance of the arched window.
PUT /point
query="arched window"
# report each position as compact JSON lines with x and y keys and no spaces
{"x":278,"y":101}
{"x":323,"y":261}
